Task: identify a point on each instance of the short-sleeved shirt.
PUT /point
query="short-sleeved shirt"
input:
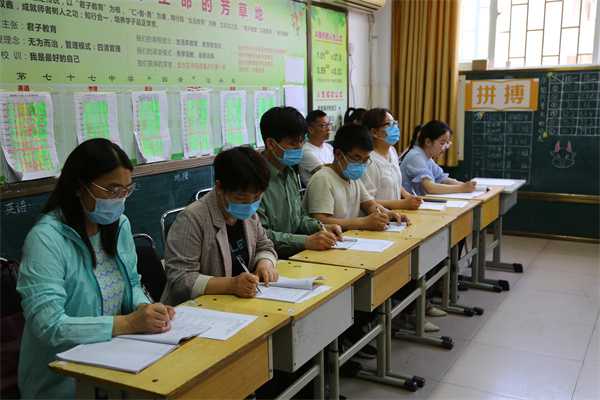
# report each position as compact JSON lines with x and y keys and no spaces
{"x":416,"y":166}
{"x":382,"y":178}
{"x":312,"y":157}
{"x":327,"y":193}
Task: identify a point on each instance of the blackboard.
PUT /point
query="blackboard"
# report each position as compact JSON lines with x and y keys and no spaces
{"x":153,"y":196}
{"x":556,"y":148}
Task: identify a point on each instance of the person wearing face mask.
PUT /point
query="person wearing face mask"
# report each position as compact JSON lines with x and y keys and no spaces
{"x":287,"y":224}
{"x":78,"y":278}
{"x":335,"y":194}
{"x":382,"y":178}
{"x":210,"y":235}
{"x":420,"y":174}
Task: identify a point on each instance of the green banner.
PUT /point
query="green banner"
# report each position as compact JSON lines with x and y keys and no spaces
{"x":150,"y":42}
{"x":329,"y":63}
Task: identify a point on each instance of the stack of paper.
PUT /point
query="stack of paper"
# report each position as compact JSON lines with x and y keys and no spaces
{"x":291,"y":290}
{"x":361,"y":244}
{"x":433,"y":206}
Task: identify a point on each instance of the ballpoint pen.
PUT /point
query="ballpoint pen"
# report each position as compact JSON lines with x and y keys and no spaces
{"x":151,"y":300}
{"x":387,"y":223}
{"x":243,"y":264}
{"x":467,"y":176}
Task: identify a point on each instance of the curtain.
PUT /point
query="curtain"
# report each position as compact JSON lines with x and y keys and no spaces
{"x":425,"y":67}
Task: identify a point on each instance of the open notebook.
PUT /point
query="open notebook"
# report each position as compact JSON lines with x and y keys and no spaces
{"x":131,"y":353}
{"x":291,"y":290}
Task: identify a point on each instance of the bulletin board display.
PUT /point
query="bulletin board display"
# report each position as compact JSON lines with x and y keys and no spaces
{"x":329,"y":63}
{"x":116,"y":50}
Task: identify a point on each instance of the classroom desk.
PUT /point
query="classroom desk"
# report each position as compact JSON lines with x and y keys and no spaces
{"x":315,"y":323}
{"x":508,"y":199}
{"x":386,"y":273}
{"x":483,"y":215}
{"x":200,"y":368}
{"x":460,"y":228}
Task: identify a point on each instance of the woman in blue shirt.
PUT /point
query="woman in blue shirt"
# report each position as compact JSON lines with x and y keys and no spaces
{"x":78,"y":278}
{"x":420,"y":174}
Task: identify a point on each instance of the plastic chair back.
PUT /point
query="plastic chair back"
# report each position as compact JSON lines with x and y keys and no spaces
{"x":150,"y":266}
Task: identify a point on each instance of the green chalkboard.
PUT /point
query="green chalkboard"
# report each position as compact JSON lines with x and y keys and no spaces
{"x":556,"y":148}
{"x":153,"y":196}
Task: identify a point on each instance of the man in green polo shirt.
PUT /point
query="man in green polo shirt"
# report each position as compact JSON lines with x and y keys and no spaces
{"x":281,"y":214}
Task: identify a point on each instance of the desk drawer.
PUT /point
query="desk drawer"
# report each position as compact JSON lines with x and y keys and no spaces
{"x":298,"y":342}
{"x":462,"y":227}
{"x":489,"y":211}
{"x":429,"y":254}
{"x":507,"y":201}
{"x":373,"y":289}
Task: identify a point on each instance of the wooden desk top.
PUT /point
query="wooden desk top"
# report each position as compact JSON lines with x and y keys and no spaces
{"x":489,"y":195}
{"x":450,"y":211}
{"x":426,"y":224}
{"x":336,"y":277}
{"x":366,"y":260}
{"x":185,"y":367}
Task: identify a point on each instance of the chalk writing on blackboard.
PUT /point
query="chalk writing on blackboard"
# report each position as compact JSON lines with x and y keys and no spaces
{"x":563,"y":157}
{"x":569,"y":104}
{"x":502,"y":144}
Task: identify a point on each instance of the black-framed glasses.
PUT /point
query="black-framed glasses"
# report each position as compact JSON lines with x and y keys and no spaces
{"x":391,"y":123}
{"x":366,"y":161}
{"x":322,"y":126}
{"x":119,"y":192}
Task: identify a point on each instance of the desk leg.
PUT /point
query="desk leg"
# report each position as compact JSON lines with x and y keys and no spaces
{"x":419,"y":335}
{"x":316,"y":373}
{"x":496,"y":262}
{"x":449,"y":293}
{"x":384,"y":373}
{"x":476,"y":280}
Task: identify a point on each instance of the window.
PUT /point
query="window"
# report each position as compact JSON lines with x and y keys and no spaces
{"x":530,"y":33}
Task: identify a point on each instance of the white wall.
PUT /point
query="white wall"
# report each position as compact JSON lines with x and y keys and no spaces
{"x":370,"y":88}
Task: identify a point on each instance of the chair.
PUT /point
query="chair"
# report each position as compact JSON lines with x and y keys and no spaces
{"x":150,"y":266}
{"x":12,"y":324}
{"x":201,"y":193}
{"x":166,"y":220}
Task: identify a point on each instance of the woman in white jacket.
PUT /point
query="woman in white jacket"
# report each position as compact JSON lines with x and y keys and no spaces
{"x":78,"y":278}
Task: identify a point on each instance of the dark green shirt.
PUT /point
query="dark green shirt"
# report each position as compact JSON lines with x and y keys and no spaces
{"x":281,"y":214}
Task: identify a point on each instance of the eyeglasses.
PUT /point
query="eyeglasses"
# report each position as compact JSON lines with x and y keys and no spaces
{"x":445,"y":146}
{"x":119,"y":192}
{"x":366,"y":161}
{"x":391,"y":123}
{"x":322,"y":126}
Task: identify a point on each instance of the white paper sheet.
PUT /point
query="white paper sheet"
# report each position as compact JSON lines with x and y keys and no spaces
{"x":27,"y":126}
{"x":432,"y":206}
{"x":394,"y":227}
{"x":294,"y":70}
{"x":223,"y":325}
{"x":456,"y":203}
{"x":96,"y":116}
{"x":294,"y":97}
{"x":150,"y":126}
{"x":195,"y":123}
{"x":360,"y":244}
{"x":233,"y":118}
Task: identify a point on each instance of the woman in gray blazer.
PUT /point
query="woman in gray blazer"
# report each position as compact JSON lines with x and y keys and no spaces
{"x":213,"y":240}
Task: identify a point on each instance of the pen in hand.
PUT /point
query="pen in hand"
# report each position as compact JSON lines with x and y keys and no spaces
{"x":243,"y":264}
{"x":387,"y":223}
{"x":151,"y":300}
{"x":467,"y":177}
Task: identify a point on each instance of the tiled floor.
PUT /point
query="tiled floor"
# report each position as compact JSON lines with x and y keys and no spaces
{"x":540,"y":340}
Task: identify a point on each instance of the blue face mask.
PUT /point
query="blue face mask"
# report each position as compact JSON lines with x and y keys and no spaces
{"x":393,"y":134}
{"x":291,"y":157}
{"x":354,"y":171}
{"x":242,"y":211}
{"x":107,"y":211}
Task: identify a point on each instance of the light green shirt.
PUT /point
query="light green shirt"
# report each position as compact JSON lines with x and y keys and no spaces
{"x":281,"y":214}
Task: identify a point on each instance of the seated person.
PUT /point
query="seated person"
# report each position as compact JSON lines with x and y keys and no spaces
{"x":287,"y":224}
{"x":420,"y":174}
{"x":78,"y":279}
{"x":315,"y":152}
{"x":354,"y":115}
{"x":382,"y":178}
{"x":206,"y":239}
{"x":335,"y":194}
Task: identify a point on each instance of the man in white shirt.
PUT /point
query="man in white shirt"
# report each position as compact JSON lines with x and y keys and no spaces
{"x":315,"y":152}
